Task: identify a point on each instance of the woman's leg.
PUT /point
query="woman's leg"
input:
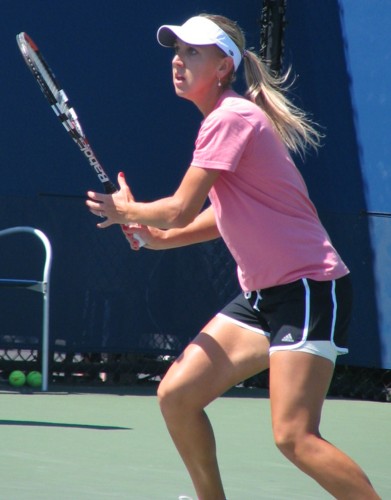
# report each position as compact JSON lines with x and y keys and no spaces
{"x":298,"y":385}
{"x":223,"y":355}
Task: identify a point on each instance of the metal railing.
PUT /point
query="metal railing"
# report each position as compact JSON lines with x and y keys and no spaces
{"x":41,"y":286}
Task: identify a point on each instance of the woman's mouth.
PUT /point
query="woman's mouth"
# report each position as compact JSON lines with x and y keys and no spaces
{"x":178,"y":78}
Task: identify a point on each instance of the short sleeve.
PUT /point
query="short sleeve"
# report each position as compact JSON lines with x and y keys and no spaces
{"x":221,"y":140}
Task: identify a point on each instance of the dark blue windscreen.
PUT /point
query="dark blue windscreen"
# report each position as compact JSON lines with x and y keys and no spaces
{"x":105,"y":54}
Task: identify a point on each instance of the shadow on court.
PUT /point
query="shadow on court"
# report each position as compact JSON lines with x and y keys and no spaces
{"x":28,"y":423}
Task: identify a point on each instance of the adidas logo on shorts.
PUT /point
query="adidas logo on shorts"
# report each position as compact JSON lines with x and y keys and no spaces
{"x":287,"y":338}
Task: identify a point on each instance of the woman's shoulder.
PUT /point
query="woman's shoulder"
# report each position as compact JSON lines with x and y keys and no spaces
{"x":233,"y":106}
{"x":232,"y":100}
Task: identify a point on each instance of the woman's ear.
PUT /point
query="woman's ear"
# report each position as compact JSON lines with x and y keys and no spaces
{"x":225,"y":67}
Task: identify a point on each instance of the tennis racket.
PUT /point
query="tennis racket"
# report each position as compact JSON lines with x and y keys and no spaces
{"x":60,"y":104}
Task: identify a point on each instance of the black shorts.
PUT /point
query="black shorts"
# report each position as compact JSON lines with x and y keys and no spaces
{"x":305,"y":311}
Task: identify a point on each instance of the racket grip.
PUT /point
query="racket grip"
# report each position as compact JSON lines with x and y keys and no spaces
{"x":139,"y":239}
{"x":109,"y":187}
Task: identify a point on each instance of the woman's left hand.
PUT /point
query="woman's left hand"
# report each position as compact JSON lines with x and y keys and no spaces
{"x":112,"y":207}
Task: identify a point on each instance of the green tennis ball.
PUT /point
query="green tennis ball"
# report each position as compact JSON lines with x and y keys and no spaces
{"x":17,"y":378}
{"x":34,"y":379}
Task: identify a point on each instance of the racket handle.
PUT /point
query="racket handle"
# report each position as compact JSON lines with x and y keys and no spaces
{"x":139,"y":239}
{"x":110,"y":188}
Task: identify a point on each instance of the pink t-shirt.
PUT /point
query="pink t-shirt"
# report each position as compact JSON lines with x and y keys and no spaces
{"x":260,"y":200}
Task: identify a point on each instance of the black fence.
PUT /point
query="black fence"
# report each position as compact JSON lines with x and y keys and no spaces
{"x":105,"y":370}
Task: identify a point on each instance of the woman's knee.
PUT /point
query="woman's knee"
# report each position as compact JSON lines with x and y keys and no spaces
{"x":285,"y":440}
{"x":294,"y":443}
{"x":165,"y":395}
{"x":173,"y":399}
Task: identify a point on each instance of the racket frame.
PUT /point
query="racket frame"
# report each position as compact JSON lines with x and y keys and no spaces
{"x":61,"y":106}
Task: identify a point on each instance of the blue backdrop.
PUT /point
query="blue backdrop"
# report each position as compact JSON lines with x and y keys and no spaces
{"x":105,"y":54}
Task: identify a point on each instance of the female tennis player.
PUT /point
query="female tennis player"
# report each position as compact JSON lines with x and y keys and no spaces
{"x":293,"y":314}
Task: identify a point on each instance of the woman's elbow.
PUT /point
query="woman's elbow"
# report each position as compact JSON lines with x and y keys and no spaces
{"x":181,"y":217}
{"x":181,"y":220}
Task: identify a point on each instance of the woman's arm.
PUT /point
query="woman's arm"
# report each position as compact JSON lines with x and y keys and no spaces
{"x":202,"y":228}
{"x":176,"y":211}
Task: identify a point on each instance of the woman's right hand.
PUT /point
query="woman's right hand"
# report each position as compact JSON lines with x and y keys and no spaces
{"x":151,"y":236}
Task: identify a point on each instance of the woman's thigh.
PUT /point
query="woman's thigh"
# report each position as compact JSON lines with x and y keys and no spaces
{"x":221,"y":356}
{"x":298,"y":386}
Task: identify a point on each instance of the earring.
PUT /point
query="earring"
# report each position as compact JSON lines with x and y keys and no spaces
{"x":219,"y":83}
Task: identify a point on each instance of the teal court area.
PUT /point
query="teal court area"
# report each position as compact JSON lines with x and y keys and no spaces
{"x":88,"y":445}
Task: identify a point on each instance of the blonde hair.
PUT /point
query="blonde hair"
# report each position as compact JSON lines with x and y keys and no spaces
{"x":296,"y":130}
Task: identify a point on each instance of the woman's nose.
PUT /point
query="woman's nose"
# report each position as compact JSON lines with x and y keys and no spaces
{"x":177,"y":61}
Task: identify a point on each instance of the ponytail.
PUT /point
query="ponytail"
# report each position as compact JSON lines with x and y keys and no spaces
{"x":268,"y":92}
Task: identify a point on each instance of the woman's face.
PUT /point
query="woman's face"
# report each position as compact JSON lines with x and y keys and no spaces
{"x":196,"y":71}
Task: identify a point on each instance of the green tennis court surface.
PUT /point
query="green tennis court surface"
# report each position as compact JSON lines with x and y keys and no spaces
{"x":85,"y":445}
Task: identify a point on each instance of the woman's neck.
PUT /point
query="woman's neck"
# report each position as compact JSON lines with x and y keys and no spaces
{"x":207,"y":105}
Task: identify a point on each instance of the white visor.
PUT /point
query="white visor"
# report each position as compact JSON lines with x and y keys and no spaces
{"x":200,"y":31}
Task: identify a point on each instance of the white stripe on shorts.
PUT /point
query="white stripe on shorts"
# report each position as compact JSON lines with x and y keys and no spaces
{"x":323,"y":348}
{"x":306,"y":322}
{"x":335,"y":307}
{"x":244,"y":325}
{"x":340,"y":350}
